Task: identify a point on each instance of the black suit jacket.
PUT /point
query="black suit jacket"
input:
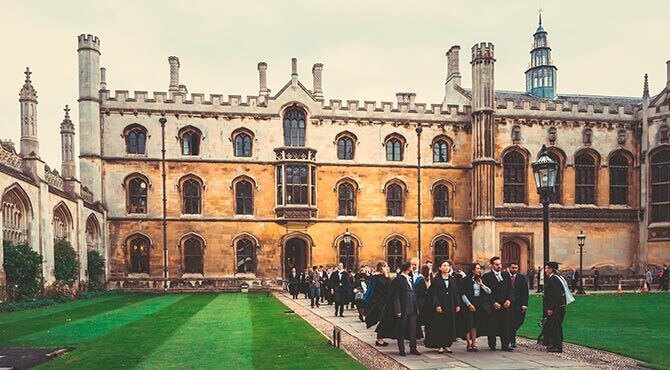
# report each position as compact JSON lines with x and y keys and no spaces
{"x":520,"y":288}
{"x":554,"y":293}
{"x":402,"y":297}
{"x":501,"y":291}
{"x":343,"y":284}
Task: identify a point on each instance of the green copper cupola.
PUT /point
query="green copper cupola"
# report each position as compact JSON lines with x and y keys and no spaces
{"x":541,"y":73}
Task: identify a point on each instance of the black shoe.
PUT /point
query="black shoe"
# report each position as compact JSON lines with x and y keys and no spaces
{"x":402,"y":354}
{"x":492,"y":348}
{"x":555,"y":350}
{"x":507,"y":349}
{"x":384,"y":344}
{"x":341,"y":315}
{"x":513,"y":345}
{"x":415,"y":352}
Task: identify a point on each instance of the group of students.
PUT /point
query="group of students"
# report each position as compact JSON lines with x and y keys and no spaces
{"x":440,"y":305}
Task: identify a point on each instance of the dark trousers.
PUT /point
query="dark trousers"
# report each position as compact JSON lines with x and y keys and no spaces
{"x":500,"y":324}
{"x":406,"y":325}
{"x":517,"y":317}
{"x":315,"y":296}
{"x":596,"y":284}
{"x":553,"y":328}
{"x":340,"y":301}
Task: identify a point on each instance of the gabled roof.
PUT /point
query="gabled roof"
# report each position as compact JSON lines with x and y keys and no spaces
{"x":286,"y":86}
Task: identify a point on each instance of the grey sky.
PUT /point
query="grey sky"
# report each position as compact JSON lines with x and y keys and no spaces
{"x":370,"y":49}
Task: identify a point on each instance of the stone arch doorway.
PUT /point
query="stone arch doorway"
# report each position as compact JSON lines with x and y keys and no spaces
{"x":517,"y":248}
{"x":295,"y":255}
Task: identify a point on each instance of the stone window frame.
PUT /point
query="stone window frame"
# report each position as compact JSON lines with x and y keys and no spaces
{"x":61,"y":212}
{"x":127,"y":131}
{"x":254,"y":187}
{"x":450,"y":191}
{"x":354,"y":190}
{"x":402,"y":143}
{"x":302,"y":115}
{"x":255,"y":245}
{"x":619,"y":193}
{"x":239,"y":132}
{"x":515,"y":192}
{"x":182,"y":253}
{"x":346,"y":135}
{"x":129,"y":260}
{"x":18,"y":214}
{"x":586,"y":193}
{"x":181,"y":187}
{"x":403,"y":196}
{"x":656,"y":206}
{"x":192,"y":130}
{"x":451,"y":247}
{"x":126,"y":185}
{"x":448,"y":142}
{"x":404,"y":247}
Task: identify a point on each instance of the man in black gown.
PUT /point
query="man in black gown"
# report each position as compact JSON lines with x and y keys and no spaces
{"x":405,"y":308}
{"x":501,"y":298}
{"x":554,"y":302}
{"x":340,"y":288}
{"x":520,"y":303}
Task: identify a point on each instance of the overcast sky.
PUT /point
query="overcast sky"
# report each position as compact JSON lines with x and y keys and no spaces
{"x":370,"y":49}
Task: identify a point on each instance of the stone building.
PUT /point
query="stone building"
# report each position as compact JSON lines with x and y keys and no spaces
{"x":41,"y":206}
{"x":205,"y":188}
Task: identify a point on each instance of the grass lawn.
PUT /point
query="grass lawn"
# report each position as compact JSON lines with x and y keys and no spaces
{"x":634,"y":325}
{"x":200,"y":331}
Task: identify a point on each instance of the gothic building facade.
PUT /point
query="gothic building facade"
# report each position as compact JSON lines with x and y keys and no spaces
{"x":198,"y":187}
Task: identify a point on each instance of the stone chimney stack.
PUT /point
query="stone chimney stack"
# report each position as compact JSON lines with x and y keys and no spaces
{"x":294,"y":71}
{"x":667,"y":80}
{"x":411,"y":99}
{"x":103,"y":78}
{"x":28,"y":100}
{"x":174,"y":74}
{"x":453,"y":70}
{"x":263,"y":79}
{"x":68,"y":167}
{"x":317,"y":71}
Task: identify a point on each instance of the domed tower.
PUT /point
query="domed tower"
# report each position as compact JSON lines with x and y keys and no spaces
{"x":541,"y":74}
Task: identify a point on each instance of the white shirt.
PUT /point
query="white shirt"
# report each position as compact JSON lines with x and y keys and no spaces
{"x":409,"y":281}
{"x":498,"y":275}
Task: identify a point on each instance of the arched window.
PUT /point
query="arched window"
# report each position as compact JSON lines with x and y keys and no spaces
{"x":440,"y":251}
{"x":394,"y":255}
{"x":440,"y":201}
{"x":92,"y":234}
{"x":514,"y":177}
{"x":243,"y":145}
{"x":137,"y":195}
{"x":585,"y":179}
{"x":244,"y":200}
{"x":557,"y":195}
{"x":345,"y":148}
{"x":294,"y":127}
{"x":136,"y":138}
{"x":139,"y":255}
{"x":296,"y":185}
{"x":346,"y":199}
{"x":394,"y":200}
{"x":16,"y":213}
{"x":61,"y":223}
{"x":618,"y":166}
{"x":440,"y":151}
{"x":347,"y":254}
{"x":192,"y":197}
{"x":660,"y":186}
{"x":394,"y":150}
{"x":245,"y":256}
{"x":190,"y":141}
{"x":193,"y":256}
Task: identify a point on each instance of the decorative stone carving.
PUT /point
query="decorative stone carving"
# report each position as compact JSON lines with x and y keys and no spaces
{"x":587,"y":136}
{"x":552,"y":135}
{"x":567,"y":214}
{"x":664,"y":134}
{"x":621,"y":137}
{"x":516,"y":134}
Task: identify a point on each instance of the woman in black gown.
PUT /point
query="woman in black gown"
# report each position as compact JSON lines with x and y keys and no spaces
{"x":376,"y":303}
{"x":446,"y":302}
{"x":477,"y":312}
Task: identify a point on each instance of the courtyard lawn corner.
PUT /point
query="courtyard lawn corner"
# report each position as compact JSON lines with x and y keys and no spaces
{"x":634,"y":325}
{"x":199,"y":330}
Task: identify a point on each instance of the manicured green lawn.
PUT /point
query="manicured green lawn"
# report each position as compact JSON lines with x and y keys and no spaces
{"x":209,"y":331}
{"x":635,"y":325}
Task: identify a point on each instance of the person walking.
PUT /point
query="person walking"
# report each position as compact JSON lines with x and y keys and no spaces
{"x":540,"y":279}
{"x":377,"y":299}
{"x":500,"y":283}
{"x":520,"y":302}
{"x":405,"y":308}
{"x":314,"y":287}
{"x":666,"y":277}
{"x":360,"y":287}
{"x":555,"y":300}
{"x":294,"y":283}
{"x":596,"y":279}
{"x":441,"y":324}
{"x":340,"y":287}
{"x":575,"y":279}
{"x":531,"y":278}
{"x":477,"y":313}
{"x":648,"y":277}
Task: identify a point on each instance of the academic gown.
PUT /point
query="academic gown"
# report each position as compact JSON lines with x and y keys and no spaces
{"x":379,"y":285}
{"x":441,"y":327}
{"x":480,"y":319}
{"x":389,"y":322}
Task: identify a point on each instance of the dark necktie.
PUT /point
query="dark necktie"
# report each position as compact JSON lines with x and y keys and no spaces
{"x":513,"y":279}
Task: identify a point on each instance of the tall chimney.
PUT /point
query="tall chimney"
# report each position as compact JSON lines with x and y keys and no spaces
{"x":103,"y":78}
{"x":174,"y":74}
{"x":294,"y":71}
{"x":317,"y":70}
{"x":453,"y":72}
{"x":263,"y":79}
{"x":667,"y":80}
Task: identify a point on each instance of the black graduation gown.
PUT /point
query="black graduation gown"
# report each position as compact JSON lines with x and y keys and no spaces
{"x":501,"y":291}
{"x":377,"y":301}
{"x":293,"y":283}
{"x":480,"y":319}
{"x":342,"y":286}
{"x":422,"y":299}
{"x":388,"y":324}
{"x":441,"y":327}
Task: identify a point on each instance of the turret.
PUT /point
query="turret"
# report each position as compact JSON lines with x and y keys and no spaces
{"x":541,"y":73}
{"x":263,"y":90}
{"x":317,"y":71}
{"x":28,"y":100}
{"x":89,"y":112}
{"x":69,"y":166}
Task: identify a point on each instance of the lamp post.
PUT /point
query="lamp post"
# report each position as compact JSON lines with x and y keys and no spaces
{"x":581,"y":238}
{"x":418,"y":185}
{"x":347,"y":244}
{"x":545,"y":179}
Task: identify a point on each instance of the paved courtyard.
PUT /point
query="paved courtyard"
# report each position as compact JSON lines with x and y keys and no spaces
{"x":524,"y":357}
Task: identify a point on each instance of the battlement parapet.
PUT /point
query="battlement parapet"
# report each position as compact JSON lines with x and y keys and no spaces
{"x":10,"y":158}
{"x":53,"y":178}
{"x":483,"y":50}
{"x":88,"y":41}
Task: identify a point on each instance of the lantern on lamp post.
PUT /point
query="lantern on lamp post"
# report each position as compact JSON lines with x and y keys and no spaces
{"x":545,"y":170}
{"x":581,"y":238}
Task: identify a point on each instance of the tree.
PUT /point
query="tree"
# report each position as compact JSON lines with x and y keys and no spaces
{"x":23,"y":269}
{"x":66,"y":262}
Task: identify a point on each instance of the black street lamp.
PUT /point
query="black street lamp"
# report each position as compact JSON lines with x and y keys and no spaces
{"x":418,"y":185}
{"x":545,"y":179}
{"x":581,"y":238}
{"x":347,"y":248}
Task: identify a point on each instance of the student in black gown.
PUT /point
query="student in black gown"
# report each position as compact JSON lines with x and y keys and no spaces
{"x":340,"y":287}
{"x":294,"y":283}
{"x":441,"y":325}
{"x":421,"y":289}
{"x":554,"y":302}
{"x":520,"y":302}
{"x":500,"y":283}
{"x":377,"y":294}
{"x":477,"y":310}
